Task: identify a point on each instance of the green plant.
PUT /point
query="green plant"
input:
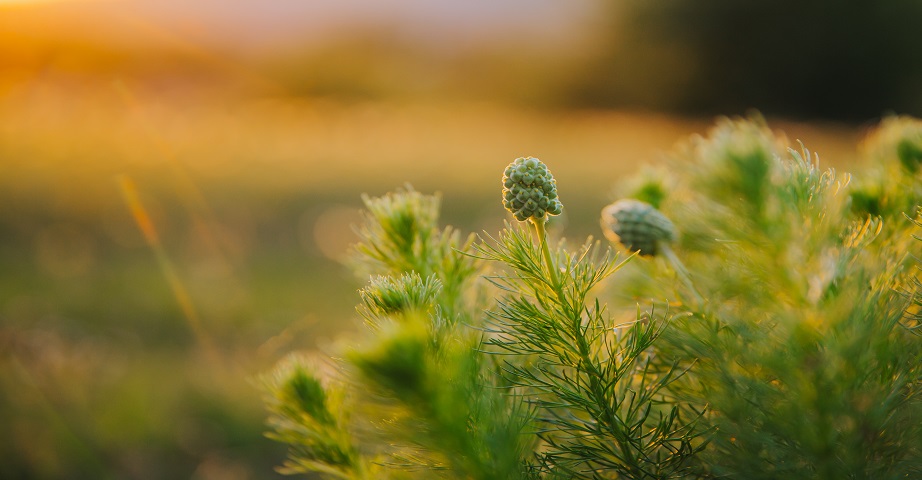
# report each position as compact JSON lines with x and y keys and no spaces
{"x":805,"y":351}
{"x":783,"y":344}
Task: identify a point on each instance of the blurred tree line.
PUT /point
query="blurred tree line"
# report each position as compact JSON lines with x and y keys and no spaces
{"x":841,"y":59}
{"x":847,"y":60}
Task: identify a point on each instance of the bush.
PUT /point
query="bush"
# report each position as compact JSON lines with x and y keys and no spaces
{"x":768,"y":329}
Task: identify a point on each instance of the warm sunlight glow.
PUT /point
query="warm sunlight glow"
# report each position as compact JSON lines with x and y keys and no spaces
{"x":35,"y":2}
{"x":26,"y":2}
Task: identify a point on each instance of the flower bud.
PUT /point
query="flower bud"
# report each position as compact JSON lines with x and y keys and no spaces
{"x":637,"y":226}
{"x":529,"y":190}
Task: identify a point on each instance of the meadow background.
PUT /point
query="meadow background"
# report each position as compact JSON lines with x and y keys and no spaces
{"x":178,"y":183}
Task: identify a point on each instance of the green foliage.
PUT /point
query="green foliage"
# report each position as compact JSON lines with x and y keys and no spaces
{"x":388,"y":295}
{"x":401,"y":235}
{"x":648,"y":186}
{"x":801,"y":352}
{"x":451,"y":382}
{"x":783,"y":344}
{"x":431,"y":402}
{"x":602,"y":412}
{"x":302,"y":418}
{"x":892,"y":188}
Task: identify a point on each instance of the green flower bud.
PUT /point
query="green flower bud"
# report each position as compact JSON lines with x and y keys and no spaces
{"x":637,"y":226}
{"x":529,"y":190}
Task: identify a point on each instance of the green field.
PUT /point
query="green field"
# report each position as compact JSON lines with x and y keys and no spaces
{"x":107,"y":372}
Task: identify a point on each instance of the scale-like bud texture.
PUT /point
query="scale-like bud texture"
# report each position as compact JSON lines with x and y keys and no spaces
{"x":637,"y":225}
{"x":529,"y":190}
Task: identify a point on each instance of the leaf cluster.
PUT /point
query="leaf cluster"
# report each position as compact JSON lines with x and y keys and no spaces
{"x":802,"y":352}
{"x":451,"y":382}
{"x":603,"y":412}
{"x":422,"y":400}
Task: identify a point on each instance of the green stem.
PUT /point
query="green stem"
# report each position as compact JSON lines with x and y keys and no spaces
{"x":542,"y":236}
{"x":681,"y":272}
{"x":603,"y":401}
{"x":586,"y":364}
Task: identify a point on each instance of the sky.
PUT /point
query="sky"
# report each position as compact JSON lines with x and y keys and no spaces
{"x":251,"y":24}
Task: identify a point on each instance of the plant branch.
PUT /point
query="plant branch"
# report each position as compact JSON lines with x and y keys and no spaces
{"x":542,"y":237}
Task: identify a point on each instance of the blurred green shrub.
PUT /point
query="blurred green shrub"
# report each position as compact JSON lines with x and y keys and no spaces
{"x":784,"y":344}
{"x":806,"y":352}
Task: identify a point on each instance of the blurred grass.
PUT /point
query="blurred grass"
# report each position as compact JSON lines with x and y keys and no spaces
{"x":253,"y":202}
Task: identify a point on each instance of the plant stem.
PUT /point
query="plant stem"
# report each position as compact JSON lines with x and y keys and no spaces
{"x":586,"y":364}
{"x":542,"y":236}
{"x":681,"y":272}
